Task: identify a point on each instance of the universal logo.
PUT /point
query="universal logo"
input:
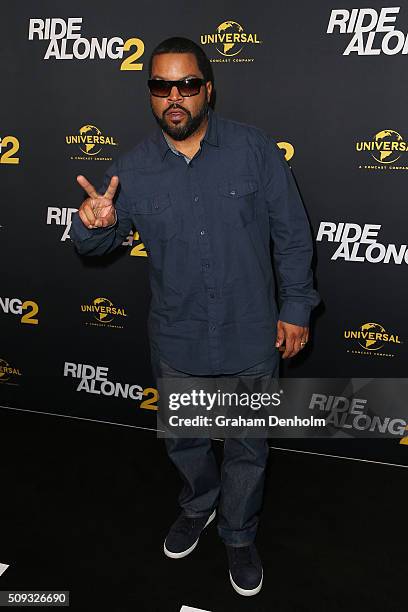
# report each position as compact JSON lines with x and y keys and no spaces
{"x":90,"y":141}
{"x":386,"y":148}
{"x":105,"y":314}
{"x":8,"y":374}
{"x":230,"y":39}
{"x":371,"y":338}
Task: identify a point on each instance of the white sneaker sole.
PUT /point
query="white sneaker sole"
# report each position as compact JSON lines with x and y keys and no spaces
{"x":186,"y":552}
{"x":246,"y":592}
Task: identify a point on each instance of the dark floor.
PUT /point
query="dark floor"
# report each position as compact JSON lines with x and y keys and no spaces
{"x":85,"y":507}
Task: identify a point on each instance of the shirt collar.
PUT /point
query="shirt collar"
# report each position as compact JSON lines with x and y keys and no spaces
{"x":172,"y":147}
{"x":211,"y":135}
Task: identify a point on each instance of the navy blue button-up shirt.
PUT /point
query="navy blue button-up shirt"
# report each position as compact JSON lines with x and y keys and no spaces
{"x":207,"y":226}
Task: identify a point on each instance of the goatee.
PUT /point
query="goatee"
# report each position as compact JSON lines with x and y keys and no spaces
{"x":191,"y":125}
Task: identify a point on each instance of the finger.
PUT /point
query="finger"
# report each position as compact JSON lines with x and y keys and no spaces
{"x":105,"y":221}
{"x":299,"y":344}
{"x":280,"y":337}
{"x":89,"y":213}
{"x":87,"y":186}
{"x":289,"y":346}
{"x":84,"y":218}
{"x":101,"y":222}
{"x":304,"y":340}
{"x":297,"y":347}
{"x":102,"y":214}
{"x":112,"y":187}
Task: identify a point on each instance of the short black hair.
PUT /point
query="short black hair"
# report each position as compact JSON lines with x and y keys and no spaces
{"x":178,"y":44}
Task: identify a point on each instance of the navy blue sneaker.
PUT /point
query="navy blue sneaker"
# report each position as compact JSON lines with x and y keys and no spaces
{"x":184,"y":535}
{"x":245,"y":569}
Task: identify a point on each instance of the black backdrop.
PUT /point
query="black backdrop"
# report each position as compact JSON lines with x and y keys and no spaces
{"x":337,"y":115}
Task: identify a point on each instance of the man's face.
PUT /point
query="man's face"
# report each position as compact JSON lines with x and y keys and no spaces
{"x":177,"y":116}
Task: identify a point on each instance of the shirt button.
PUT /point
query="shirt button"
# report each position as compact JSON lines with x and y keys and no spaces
{"x":195,"y":198}
{"x":212,"y":295}
{"x":233,"y":192}
{"x":202,"y":232}
{"x":156,"y":205}
{"x":212,"y":327}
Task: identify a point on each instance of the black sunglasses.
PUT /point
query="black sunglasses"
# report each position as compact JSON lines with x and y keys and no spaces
{"x":186,"y":87}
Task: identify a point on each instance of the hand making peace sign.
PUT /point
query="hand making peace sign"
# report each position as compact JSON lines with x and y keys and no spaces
{"x":98,"y":210}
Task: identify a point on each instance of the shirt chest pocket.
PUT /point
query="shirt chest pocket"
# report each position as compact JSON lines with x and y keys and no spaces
{"x":154,"y":216}
{"x":238,"y":200}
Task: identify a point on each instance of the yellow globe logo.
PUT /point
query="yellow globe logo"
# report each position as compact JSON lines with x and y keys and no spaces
{"x":388,"y":153}
{"x":369,"y":344}
{"x":230,"y":27}
{"x":90,"y":130}
{"x":102,"y":317}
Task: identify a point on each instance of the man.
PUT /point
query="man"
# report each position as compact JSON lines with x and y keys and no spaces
{"x":206,"y":195}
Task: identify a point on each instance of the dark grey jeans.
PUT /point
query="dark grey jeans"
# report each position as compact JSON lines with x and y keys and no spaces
{"x":237,"y":489}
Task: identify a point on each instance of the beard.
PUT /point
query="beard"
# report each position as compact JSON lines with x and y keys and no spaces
{"x":191,"y":125}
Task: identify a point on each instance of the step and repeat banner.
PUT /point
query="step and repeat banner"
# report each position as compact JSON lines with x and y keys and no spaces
{"x":327,"y":80}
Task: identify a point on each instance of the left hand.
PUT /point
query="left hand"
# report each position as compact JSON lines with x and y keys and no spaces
{"x":291,"y":336}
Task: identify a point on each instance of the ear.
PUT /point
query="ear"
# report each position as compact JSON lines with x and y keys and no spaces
{"x":208,"y":86}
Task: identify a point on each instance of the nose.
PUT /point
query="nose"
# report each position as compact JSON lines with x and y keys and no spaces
{"x":174,"y":94}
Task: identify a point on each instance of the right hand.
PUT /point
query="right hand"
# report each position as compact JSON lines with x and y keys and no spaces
{"x":98,"y":210}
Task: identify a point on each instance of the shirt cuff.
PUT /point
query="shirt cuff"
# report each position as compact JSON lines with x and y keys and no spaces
{"x":297,"y":313}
